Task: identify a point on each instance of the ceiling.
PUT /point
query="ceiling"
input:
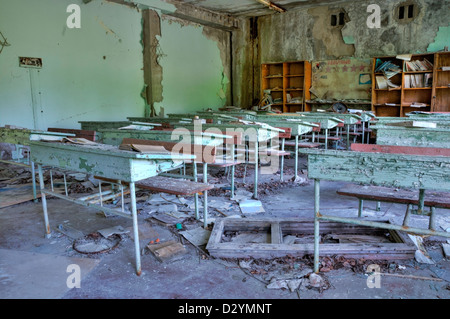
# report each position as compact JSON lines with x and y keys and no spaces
{"x":254,"y":7}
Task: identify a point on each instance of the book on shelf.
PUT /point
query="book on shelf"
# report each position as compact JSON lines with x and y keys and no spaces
{"x":417,"y":65}
{"x":406,"y":57}
{"x":388,"y":68}
{"x":385,"y":83}
{"x":381,"y":82}
{"x":418,"y":80}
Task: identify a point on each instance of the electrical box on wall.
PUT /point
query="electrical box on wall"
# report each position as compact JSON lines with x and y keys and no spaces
{"x":26,"y":62}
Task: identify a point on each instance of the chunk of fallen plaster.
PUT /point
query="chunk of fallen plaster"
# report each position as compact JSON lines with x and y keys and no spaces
{"x":446,"y":249}
{"x":315,"y":281}
{"x":422,"y":258}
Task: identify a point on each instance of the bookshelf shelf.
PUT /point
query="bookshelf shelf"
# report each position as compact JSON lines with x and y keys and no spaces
{"x":428,"y":88}
{"x":292,"y":81}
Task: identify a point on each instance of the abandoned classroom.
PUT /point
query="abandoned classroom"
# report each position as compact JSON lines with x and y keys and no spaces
{"x":235,"y":149}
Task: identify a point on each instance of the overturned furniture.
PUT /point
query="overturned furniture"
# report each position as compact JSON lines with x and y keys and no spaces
{"x":108,"y":162}
{"x":388,"y":166}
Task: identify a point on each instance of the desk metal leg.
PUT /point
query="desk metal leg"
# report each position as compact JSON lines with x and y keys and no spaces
{"x":296,"y":156}
{"x":205,"y":196}
{"x":421,"y":207}
{"x":255,"y":187}
{"x":316,"y":224}
{"x":282,"y":159}
{"x":194,"y":167}
{"x":44,"y":201}
{"x":135,"y":228}
{"x":326,"y":139}
{"x":348,"y":136}
{"x":363,"y":131}
{"x":432,"y":225}
{"x":33,"y":180}
{"x":360,"y":207}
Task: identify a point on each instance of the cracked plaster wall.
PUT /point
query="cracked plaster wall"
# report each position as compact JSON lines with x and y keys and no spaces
{"x":306,"y":34}
{"x":194,"y":62}
{"x":91,"y":73}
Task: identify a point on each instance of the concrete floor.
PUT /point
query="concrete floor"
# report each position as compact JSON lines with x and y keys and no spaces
{"x":33,"y":266}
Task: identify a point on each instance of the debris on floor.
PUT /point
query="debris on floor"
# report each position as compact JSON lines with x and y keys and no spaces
{"x":106,"y":232}
{"x":446,"y":249}
{"x":197,"y":236}
{"x":69,"y":231}
{"x":167,"y":251}
{"x":95,"y":243}
{"x":250,"y":206}
{"x":421,"y":255}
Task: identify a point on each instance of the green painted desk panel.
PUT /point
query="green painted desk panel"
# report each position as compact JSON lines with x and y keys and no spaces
{"x":382,"y":169}
{"x":104,"y":160}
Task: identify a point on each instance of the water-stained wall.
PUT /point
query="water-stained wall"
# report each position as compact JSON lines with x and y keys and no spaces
{"x":308,"y":34}
{"x":89,"y":73}
{"x":194,"y":60}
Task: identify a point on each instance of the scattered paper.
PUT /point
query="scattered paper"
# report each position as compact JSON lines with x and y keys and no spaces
{"x":251,"y":206}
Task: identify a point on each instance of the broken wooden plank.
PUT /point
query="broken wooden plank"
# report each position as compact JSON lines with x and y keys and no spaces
{"x":167,"y":251}
{"x":387,"y":194}
{"x":400,"y":247}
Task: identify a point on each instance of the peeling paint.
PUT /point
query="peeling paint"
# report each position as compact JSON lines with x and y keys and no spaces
{"x":441,"y":40}
{"x":192,"y":66}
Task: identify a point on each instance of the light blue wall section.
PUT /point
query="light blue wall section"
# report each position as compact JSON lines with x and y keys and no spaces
{"x":193,"y":72}
{"x":92,"y":73}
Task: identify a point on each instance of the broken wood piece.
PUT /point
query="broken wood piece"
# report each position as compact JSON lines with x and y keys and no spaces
{"x":167,"y":251}
{"x":197,"y":236}
{"x":252,"y":238}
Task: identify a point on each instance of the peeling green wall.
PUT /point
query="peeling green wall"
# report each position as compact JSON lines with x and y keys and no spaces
{"x":441,"y":41}
{"x":92,"y":73}
{"x":194,"y":76}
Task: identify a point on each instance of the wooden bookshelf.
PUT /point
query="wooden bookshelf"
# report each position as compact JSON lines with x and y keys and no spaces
{"x":419,"y":85}
{"x":441,"y":80}
{"x":289,"y":84}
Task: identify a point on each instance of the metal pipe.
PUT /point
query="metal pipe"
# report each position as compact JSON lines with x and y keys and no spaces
{"x":135,"y":228}
{"x":100,"y":192}
{"x":361,"y":222}
{"x":255,"y":187}
{"x":65,"y":185}
{"x":51,"y":180}
{"x":360,"y":207}
{"x":316,"y":224}
{"x":282,"y":159}
{"x":232,"y":171}
{"x":421,"y":206}
{"x":85,"y":198}
{"x":87,"y":204}
{"x":407,"y":215}
{"x":33,"y":180}
{"x":296,"y":156}
{"x":194,"y":166}
{"x":205,"y":196}
{"x":432,"y":225}
{"x":348,"y":136}
{"x":44,"y":201}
